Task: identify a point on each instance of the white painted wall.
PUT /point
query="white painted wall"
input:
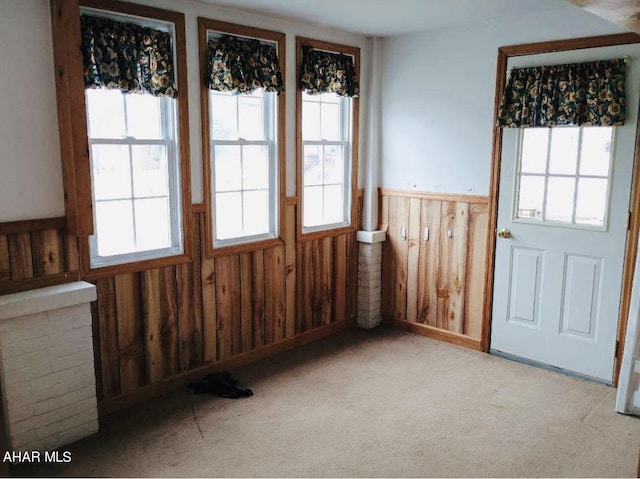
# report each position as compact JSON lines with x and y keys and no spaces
{"x":438,"y":96}
{"x":30,"y":173}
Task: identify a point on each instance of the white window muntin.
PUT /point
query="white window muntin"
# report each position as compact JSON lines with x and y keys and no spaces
{"x":270,"y":135}
{"x":170,"y":142}
{"x":546,"y":175}
{"x":346,"y":128}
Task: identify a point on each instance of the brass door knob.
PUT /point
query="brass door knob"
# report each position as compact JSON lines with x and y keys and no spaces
{"x":504,"y":233}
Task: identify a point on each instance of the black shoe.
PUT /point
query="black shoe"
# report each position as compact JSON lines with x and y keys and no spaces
{"x":214,"y":387}
{"x":225,"y":379}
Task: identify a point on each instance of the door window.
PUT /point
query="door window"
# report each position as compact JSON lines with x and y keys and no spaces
{"x":563,"y":176}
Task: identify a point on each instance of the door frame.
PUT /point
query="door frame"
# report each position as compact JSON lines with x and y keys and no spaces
{"x":633,"y":233}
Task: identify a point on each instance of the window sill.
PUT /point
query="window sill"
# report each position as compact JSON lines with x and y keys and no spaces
{"x":215,"y":252}
{"x":137,"y":266}
{"x":328,"y":233}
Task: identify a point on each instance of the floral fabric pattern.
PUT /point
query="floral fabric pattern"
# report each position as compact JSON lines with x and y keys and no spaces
{"x":127,"y":56}
{"x":324,"y":72}
{"x":589,"y":94}
{"x":242,"y":66}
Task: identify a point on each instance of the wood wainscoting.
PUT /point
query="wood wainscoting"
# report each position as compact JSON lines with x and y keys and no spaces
{"x":433,"y":274}
{"x":36,"y":254}
{"x":157,"y":330}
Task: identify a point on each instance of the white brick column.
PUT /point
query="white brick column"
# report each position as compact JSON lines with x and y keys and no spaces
{"x":46,"y":366}
{"x":370,"y":278}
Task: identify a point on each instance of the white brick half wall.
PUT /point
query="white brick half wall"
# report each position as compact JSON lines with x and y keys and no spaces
{"x":47,"y":371}
{"x":370,"y":278}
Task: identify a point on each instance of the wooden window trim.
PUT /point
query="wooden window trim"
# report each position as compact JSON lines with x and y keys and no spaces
{"x":72,"y":119}
{"x":205,"y":24}
{"x":355,"y":52}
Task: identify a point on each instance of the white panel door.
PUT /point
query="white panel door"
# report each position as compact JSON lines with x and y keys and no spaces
{"x":564,"y":199}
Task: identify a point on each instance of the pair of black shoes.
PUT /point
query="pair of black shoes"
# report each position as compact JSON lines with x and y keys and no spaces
{"x":221,"y":384}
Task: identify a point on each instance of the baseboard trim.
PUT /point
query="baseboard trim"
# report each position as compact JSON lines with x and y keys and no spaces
{"x":548,"y":367}
{"x":165,"y":386}
{"x":435,"y":333}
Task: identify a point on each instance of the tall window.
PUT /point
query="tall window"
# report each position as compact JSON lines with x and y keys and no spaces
{"x":244,"y":174}
{"x":134,"y":175}
{"x":132,"y":125}
{"x":326,"y":136}
{"x":242,"y":108}
{"x":328,"y":90}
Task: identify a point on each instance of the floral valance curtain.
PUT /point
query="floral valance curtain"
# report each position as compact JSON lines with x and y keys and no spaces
{"x":325,"y":72}
{"x":127,"y":56}
{"x":575,"y":94}
{"x":243,"y":65}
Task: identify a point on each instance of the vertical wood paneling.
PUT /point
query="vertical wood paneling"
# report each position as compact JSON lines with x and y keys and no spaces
{"x":341,"y":287}
{"x":197,"y":342}
{"x":108,"y":324}
{"x":325,"y":277}
{"x":246,"y":286}
{"x":209,"y":316}
{"x":5,"y":264}
{"x":352,"y":275}
{"x":305,"y":287}
{"x":130,"y":331}
{"x":258,"y":298}
{"x":274,"y":291}
{"x":189,"y":332}
{"x":413,"y":258}
{"x":71,"y":253}
{"x":290,"y":268}
{"x":20,"y":256}
{"x":476,"y":256}
{"x":452,"y":265}
{"x":151,"y":308}
{"x":228,"y":306}
{"x":428,"y":263}
{"x":169,"y":338}
{"x":47,"y":249}
{"x":437,"y":282}
{"x":398,"y":219}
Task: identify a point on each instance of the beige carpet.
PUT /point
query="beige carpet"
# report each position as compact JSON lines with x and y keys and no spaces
{"x":380,"y":403}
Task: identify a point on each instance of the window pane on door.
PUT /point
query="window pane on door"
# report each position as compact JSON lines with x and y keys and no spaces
{"x":531,"y":197}
{"x":563,"y":156}
{"x":535,"y":143}
{"x":559,"y":206}
{"x":596,"y":151}
{"x":591,"y":204}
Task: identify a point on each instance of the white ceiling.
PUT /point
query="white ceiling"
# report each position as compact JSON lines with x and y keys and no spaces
{"x":394,"y":17}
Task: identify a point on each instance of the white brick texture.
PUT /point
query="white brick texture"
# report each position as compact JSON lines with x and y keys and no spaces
{"x":369,"y":285}
{"x":48,"y":378}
